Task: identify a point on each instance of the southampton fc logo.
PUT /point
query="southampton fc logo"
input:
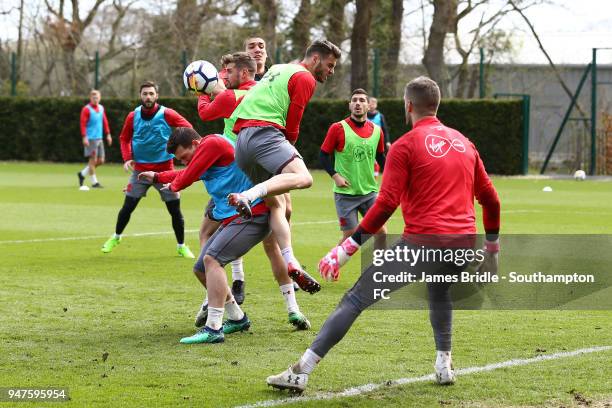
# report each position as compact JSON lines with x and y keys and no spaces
{"x":359,"y":154}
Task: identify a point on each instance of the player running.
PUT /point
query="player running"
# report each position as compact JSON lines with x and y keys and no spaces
{"x":240,"y":70}
{"x":94,"y":125}
{"x":143,"y":146}
{"x":267,"y":123}
{"x":434,"y":172}
{"x":356,"y":144}
{"x":211,"y":159}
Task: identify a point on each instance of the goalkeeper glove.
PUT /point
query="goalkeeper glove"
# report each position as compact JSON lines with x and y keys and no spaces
{"x":329,"y":266}
{"x":491,"y":257}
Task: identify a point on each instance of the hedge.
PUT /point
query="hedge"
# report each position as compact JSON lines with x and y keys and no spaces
{"x":47,"y":129}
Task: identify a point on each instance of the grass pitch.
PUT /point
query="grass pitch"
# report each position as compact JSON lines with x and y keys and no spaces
{"x":106,"y":326}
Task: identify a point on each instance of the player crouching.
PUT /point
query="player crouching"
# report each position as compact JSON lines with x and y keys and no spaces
{"x":211,"y":159}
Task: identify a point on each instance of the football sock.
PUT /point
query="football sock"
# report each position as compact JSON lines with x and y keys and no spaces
{"x":289,"y":294}
{"x":94,"y":179}
{"x":117,"y":236}
{"x":307,"y":363}
{"x":442,"y":357}
{"x":255,"y":192}
{"x":85,"y":171}
{"x":237,"y":271}
{"x":289,"y":257}
{"x":180,"y":245}
{"x":215,"y":317}
{"x":178,"y":223}
{"x":233,"y":310}
{"x":129,"y":205}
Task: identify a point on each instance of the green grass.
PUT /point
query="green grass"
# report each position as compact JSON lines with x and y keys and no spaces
{"x":64,"y":304}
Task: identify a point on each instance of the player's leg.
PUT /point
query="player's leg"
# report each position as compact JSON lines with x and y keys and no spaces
{"x":346,"y":210}
{"x":83,"y":173}
{"x":199,"y":272}
{"x":285,"y":284}
{"x":357,"y":299}
{"x":282,"y":232}
{"x":264,"y":154}
{"x":99,"y":159}
{"x":173,"y":205}
{"x":367,"y":202}
{"x":230,"y":242}
{"x":441,"y":319}
{"x":134,"y":191}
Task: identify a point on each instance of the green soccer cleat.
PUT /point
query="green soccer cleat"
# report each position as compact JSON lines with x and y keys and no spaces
{"x":205,"y":335}
{"x":299,"y":321}
{"x":233,"y":326}
{"x":185,"y":252}
{"x":111,"y":243}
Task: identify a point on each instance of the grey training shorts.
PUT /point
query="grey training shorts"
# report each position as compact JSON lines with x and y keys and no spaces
{"x":138,"y":189}
{"x":263,"y":151}
{"x":234,"y":240}
{"x":347,"y":207}
{"x":95,"y":146}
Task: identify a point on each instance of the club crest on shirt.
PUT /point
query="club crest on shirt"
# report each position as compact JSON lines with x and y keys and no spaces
{"x":439,"y":146}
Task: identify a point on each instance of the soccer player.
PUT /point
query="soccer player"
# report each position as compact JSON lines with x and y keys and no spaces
{"x":434,"y":173}
{"x":267,"y":123}
{"x":378,"y":118}
{"x":240,"y":68}
{"x":94,"y":125}
{"x":143,"y":146}
{"x":356,"y":144}
{"x":256,"y":48}
{"x":211,"y":159}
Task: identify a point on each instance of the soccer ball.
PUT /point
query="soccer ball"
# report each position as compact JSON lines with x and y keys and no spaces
{"x":200,"y":77}
{"x":579,"y":175}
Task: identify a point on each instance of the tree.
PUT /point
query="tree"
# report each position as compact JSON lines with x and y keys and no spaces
{"x":300,"y":29}
{"x":443,"y":22}
{"x":387,"y":37}
{"x":359,"y":44}
{"x":69,"y":32}
{"x":268,"y":16}
{"x":332,"y":14}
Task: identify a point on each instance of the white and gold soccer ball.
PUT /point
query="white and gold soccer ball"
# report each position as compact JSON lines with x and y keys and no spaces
{"x":579,"y":175}
{"x":200,"y":77}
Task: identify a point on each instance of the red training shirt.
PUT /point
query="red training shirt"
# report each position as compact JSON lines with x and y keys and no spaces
{"x":223,"y":105}
{"x":211,"y":151}
{"x":85,"y":119}
{"x":334,"y":140}
{"x":434,"y":173}
{"x":172,"y":117}
{"x":301,"y":86}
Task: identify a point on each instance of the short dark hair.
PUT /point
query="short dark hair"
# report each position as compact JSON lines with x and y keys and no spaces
{"x":149,"y":84}
{"x":324,"y":48}
{"x":424,"y":94}
{"x":360,"y":91}
{"x":246,"y":40}
{"x":242,"y":60}
{"x":181,"y":136}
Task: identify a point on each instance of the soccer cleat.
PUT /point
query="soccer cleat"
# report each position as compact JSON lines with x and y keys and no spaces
{"x":81,"y":179}
{"x":444,"y":373}
{"x":288,"y":380}
{"x":202,"y":315}
{"x":242,"y":204}
{"x":233,"y":326}
{"x":97,"y":185}
{"x":238,"y":291}
{"x":299,"y":321}
{"x":306,"y":282}
{"x":110,"y":243}
{"x":185,"y":252}
{"x":205,"y":335}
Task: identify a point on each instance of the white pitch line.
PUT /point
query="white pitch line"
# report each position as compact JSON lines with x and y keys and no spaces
{"x":138,"y":234}
{"x":362,"y":389}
